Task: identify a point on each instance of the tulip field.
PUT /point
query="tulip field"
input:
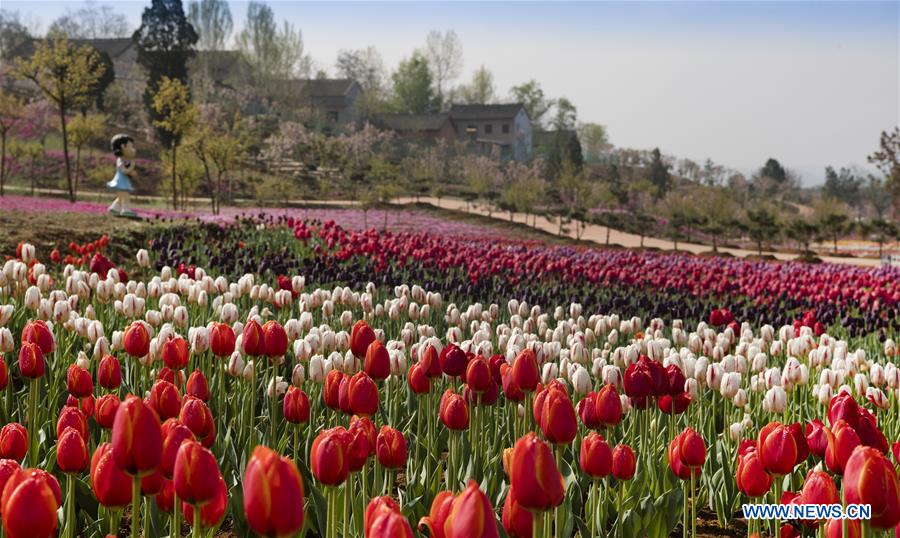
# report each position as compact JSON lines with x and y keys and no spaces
{"x":281,"y":377}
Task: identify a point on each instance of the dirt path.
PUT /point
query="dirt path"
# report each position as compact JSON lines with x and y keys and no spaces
{"x":597,"y":234}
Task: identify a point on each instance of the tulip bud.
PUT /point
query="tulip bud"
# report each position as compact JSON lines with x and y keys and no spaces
{"x":136,"y":438}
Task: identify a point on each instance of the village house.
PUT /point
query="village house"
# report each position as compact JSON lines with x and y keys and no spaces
{"x":503,"y":130}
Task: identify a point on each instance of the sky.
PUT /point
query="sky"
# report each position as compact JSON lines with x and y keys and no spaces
{"x":809,"y":83}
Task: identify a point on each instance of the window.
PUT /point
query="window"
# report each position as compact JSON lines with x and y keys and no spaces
{"x":505,"y":128}
{"x":331,"y":115}
{"x":488,"y":129}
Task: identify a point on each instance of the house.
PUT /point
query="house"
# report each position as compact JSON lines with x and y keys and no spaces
{"x":419,"y":128}
{"x":501,"y":127}
{"x":335,"y":100}
{"x":503,"y":130}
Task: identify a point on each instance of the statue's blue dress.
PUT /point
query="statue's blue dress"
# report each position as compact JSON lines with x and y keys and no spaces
{"x":121,"y":181}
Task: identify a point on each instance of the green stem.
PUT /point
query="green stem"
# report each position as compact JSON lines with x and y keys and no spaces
{"x":693,"y":506}
{"x":198,"y":525}
{"x":175,"y":531}
{"x":135,"y":506}
{"x":71,"y":524}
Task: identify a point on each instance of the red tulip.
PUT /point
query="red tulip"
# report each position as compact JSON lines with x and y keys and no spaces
{"x":196,"y":473}
{"x":535,"y":481}
{"x":165,"y":499}
{"x":453,"y":360}
{"x":595,"y":457}
{"x":478,"y":374}
{"x":85,"y":404}
{"x":751,"y":477}
{"x":276,"y":339}
{"x":869,"y":434}
{"x":816,"y":438}
{"x":517,"y":521}
{"x":37,"y":332}
{"x":365,"y":425}
{"x":4,"y":374}
{"x":454,"y":411}
{"x":7,"y":469}
{"x":687,"y":452}
{"x":842,"y":440}
{"x":796,"y":430}
{"x":674,"y":380}
{"x":328,"y":458}
{"x":511,"y":389}
{"x":296,"y":406}
{"x":30,"y":501}
{"x":164,"y":399}
{"x":608,"y":406}
{"x":777,"y":449}
{"x":869,"y":478}
{"x":558,"y":422}
{"x":637,"y":381}
{"x":417,"y":378}
{"x":71,"y":451}
{"x":176,"y":353}
{"x":71,"y":417}
{"x":363,"y":394}
{"x":437,"y":516}
{"x":390,"y":448}
{"x":13,"y":441}
{"x":843,"y":406}
{"x":331,"y":390}
{"x":197,"y":386}
{"x":111,"y":485}
{"x":486,"y":398}
{"x":195,"y":414}
{"x":623,"y":462}
{"x":175,"y":377}
{"x":174,"y":435}
{"x":359,"y":448}
{"x":107,"y":406}
{"x":136,"y":340}
{"x":376,"y":507}
{"x":252,"y":339}
{"x":389,"y":524}
{"x":377,"y":362}
{"x":674,"y":405}
{"x":273,"y":494}
{"x":31,"y":361}
{"x":213,"y":512}
{"x":221,"y":339}
{"x":78,"y":381}
{"x":109,"y":373}
{"x":344,"y":395}
{"x":136,"y":438}
{"x":152,"y":484}
{"x":361,"y":335}
{"x":833,"y":528}
{"x":471,"y":515}
{"x":525,"y":371}
{"x":819,"y":488}
{"x":431,"y":361}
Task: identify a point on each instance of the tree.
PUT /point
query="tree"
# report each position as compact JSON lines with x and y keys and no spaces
{"x":523,"y":188}
{"x":412,"y":86}
{"x":10,"y":116}
{"x":881,"y":231}
{"x":66,"y":75}
{"x":887,"y":159}
{"x":92,"y":22}
{"x":84,"y":129}
{"x":658,"y":174}
{"x":763,"y":226}
{"x":843,"y":185}
{"x":773,"y":169}
{"x":719,"y":210}
{"x":443,"y":52}
{"x":481,"y":90}
{"x":802,"y":230}
{"x":165,"y":42}
{"x":212,"y":21}
{"x":576,"y":194}
{"x":365,"y":66}
{"x":594,"y":141}
{"x":565,"y":116}
{"x":177,"y":116}
{"x":218,"y":151}
{"x":12,"y":33}
{"x":532,"y":98}
{"x":832,"y":220}
{"x":273,"y":54}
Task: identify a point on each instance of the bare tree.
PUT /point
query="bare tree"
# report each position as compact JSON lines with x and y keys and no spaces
{"x":212,"y":20}
{"x":93,"y":22}
{"x":443,"y":50}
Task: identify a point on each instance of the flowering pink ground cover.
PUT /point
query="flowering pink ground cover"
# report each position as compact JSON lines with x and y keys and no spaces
{"x":353,"y":219}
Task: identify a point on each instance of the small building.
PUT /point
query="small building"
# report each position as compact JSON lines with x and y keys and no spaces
{"x":335,"y":100}
{"x":503,"y":130}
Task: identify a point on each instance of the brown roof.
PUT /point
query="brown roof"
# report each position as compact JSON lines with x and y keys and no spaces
{"x":485,"y":112}
{"x":414,"y":122}
{"x":114,"y":47}
{"x":326,"y":87}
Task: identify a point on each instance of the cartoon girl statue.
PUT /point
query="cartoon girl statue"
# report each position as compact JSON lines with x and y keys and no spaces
{"x":123,"y":148}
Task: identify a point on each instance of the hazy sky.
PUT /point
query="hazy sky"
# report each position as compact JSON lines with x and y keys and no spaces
{"x":810,"y":83}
